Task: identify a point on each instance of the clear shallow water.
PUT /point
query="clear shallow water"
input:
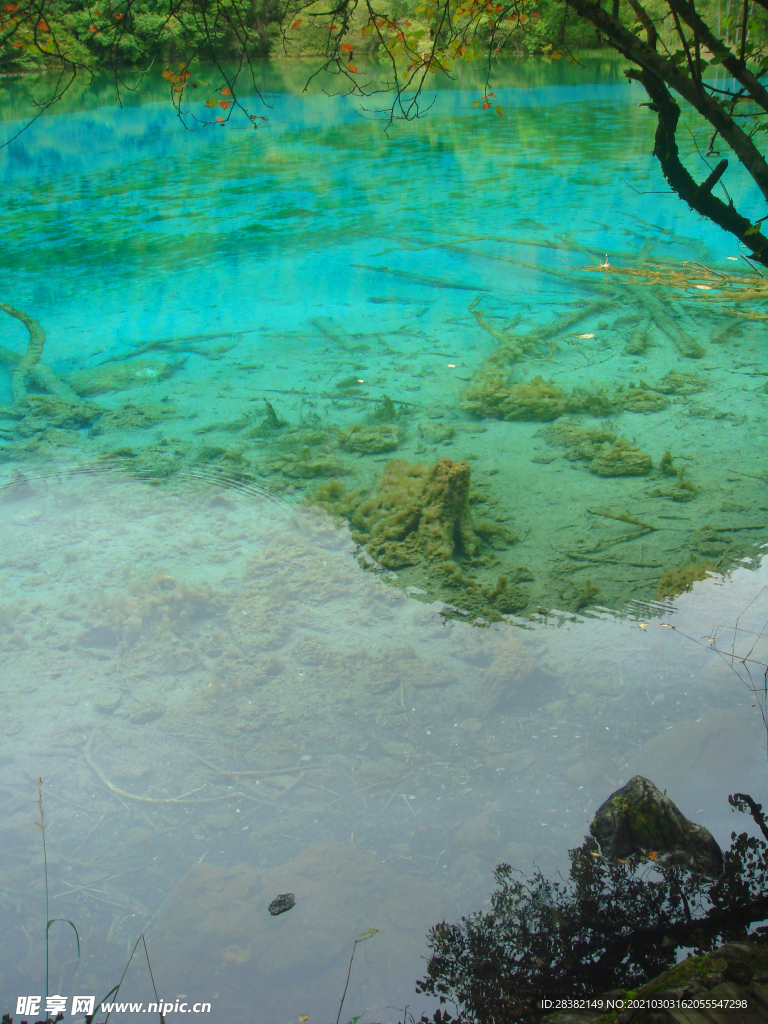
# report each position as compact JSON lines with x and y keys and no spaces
{"x":159,"y":641}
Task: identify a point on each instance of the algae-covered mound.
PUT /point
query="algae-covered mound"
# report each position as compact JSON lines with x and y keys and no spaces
{"x":370,"y":440}
{"x":679,"y":580}
{"x":582,"y":444}
{"x":606,"y":454}
{"x":121,"y":375}
{"x":621,"y":459}
{"x":677,"y":382}
{"x":490,"y":396}
{"x":642,"y":399}
{"x":418,"y":515}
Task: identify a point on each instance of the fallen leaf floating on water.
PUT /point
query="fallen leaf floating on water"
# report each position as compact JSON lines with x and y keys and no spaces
{"x":224,"y":104}
{"x":352,"y":68}
{"x":346,"y":47}
{"x":296,"y":23}
{"x":220,"y":119}
{"x":584,"y":335}
{"x":303,"y":1017}
{"x":211,"y":102}
{"x":226,"y":92}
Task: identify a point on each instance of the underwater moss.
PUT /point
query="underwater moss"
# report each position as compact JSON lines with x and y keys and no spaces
{"x":642,"y":399}
{"x":370,"y":440}
{"x":385,"y":411}
{"x":350,"y":384}
{"x":666,"y":464}
{"x":677,"y":382}
{"x":491,"y":397}
{"x":621,"y":459}
{"x":120,"y":375}
{"x":679,"y":580}
{"x":435,"y":432}
{"x":508,"y":598}
{"x":42,"y":412}
{"x":582,"y":444}
{"x":131,"y":417}
{"x":639,"y":339}
{"x":418,"y":515}
{"x":306,"y":465}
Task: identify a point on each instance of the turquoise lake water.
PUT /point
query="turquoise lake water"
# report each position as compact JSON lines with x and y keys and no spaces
{"x":257,"y":345}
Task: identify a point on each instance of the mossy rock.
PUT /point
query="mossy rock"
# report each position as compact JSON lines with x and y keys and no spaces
{"x":370,"y":440}
{"x":41,"y":412}
{"x":621,"y":459}
{"x":306,"y":466}
{"x":582,"y":444}
{"x":680,"y":580}
{"x":508,"y":597}
{"x":639,"y":820}
{"x":711,"y":543}
{"x":131,"y":417}
{"x":643,"y":400}
{"x":119,"y":376}
{"x":418,"y":515}
{"x":435,"y":432}
{"x":536,"y":400}
{"x":677,"y":382}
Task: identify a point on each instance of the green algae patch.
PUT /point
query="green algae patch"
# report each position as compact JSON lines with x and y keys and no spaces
{"x":418,"y":520}
{"x":621,"y":459}
{"x":642,"y":399}
{"x":680,"y":580}
{"x":43,"y":412}
{"x":418,"y":515}
{"x":119,"y":376}
{"x":678,"y":382}
{"x":537,"y":400}
{"x":370,"y":440}
{"x":607,"y":454}
{"x":581,"y":444}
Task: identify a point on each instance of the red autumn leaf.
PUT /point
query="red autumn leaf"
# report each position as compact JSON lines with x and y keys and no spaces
{"x":346,"y":47}
{"x":535,"y":14}
{"x":220,"y":119}
{"x":43,"y":26}
{"x":18,"y":45}
{"x":224,"y":104}
{"x":400,"y":36}
{"x":486,"y":105}
{"x":352,"y":68}
{"x":296,"y":23}
{"x":118,"y":15}
{"x":92,"y":28}
{"x":11,"y":8}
